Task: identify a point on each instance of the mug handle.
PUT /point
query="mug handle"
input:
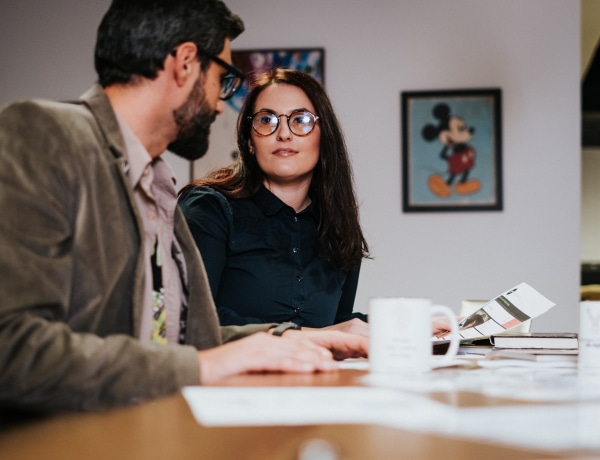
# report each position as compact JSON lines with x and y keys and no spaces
{"x":454,"y":336}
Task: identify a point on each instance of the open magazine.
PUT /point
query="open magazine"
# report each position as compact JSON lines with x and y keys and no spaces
{"x":502,"y":313}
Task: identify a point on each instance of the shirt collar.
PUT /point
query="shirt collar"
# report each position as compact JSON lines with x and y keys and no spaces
{"x":271,"y":205}
{"x":137,"y":155}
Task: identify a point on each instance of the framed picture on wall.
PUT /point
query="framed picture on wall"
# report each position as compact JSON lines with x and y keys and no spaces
{"x":254,"y":62}
{"x":451,"y":150}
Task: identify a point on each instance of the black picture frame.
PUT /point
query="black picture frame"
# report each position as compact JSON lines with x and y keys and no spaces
{"x":255,"y":61}
{"x":451,"y":150}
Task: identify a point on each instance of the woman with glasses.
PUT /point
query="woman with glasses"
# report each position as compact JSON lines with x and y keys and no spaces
{"x":278,"y":229}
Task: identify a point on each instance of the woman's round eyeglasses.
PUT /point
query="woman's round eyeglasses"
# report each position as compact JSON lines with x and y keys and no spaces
{"x":300,"y":122}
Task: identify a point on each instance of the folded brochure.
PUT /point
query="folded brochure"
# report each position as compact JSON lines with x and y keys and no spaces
{"x":501,"y":314}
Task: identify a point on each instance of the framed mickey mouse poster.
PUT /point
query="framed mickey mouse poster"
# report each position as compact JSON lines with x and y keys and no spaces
{"x":451,"y":150}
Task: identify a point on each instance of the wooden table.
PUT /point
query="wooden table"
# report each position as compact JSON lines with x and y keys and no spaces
{"x":135,"y":433}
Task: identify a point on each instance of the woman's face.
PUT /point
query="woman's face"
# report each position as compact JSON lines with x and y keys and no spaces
{"x":284,"y":157}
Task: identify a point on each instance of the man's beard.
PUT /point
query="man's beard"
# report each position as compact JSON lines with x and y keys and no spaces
{"x":193,"y":119}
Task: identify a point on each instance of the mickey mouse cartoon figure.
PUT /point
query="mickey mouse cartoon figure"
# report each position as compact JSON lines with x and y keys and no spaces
{"x":454,"y":135}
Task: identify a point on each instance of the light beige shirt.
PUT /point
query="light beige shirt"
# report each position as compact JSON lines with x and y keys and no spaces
{"x":153,"y":183}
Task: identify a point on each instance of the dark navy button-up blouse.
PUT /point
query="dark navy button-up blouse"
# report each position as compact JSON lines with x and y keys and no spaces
{"x":261,"y":262}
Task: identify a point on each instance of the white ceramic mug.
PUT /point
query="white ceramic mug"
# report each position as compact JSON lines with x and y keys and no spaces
{"x":400,"y":335}
{"x":589,"y":339}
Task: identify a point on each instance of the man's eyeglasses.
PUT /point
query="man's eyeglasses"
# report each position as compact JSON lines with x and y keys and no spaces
{"x":230,"y":82}
{"x":300,"y":122}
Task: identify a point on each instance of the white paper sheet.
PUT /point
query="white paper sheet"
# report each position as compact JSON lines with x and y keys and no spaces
{"x":235,"y":406}
{"x":437,"y":363}
{"x":357,"y":364}
{"x":512,"y":383}
{"x":554,"y":427}
{"x":569,"y":420}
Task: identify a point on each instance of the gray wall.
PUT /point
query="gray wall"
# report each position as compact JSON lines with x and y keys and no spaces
{"x":375,"y":50}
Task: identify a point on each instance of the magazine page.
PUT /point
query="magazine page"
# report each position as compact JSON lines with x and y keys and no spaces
{"x":503,"y":313}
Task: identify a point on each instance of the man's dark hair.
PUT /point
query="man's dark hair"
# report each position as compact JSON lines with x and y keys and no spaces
{"x":135,"y":36}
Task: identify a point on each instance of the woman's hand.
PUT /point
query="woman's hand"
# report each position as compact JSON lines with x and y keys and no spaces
{"x":353,"y":326}
{"x":440,"y":325}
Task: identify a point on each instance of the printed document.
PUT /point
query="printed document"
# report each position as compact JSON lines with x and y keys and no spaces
{"x":503,"y":313}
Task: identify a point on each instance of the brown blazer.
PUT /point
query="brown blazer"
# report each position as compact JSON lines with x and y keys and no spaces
{"x":71,"y":271}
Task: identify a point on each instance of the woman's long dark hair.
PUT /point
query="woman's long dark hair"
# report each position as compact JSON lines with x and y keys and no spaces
{"x":340,"y":238}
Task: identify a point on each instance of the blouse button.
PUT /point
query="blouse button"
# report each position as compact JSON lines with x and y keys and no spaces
{"x":298,"y":278}
{"x":294,"y":250}
{"x":295,"y":219}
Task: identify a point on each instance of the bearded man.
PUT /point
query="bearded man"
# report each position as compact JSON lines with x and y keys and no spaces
{"x":104,"y":299}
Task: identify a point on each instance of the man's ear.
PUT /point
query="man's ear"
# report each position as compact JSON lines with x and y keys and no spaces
{"x":185,"y":61}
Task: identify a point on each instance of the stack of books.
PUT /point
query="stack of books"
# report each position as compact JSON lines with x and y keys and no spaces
{"x":561,"y":349}
{"x":536,"y":340}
